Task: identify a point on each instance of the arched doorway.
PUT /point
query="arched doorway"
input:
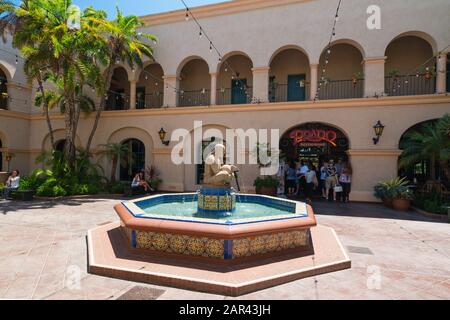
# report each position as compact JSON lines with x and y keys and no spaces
{"x":60,"y":145}
{"x":235,"y":80}
{"x":314,"y":142}
{"x":150,"y":87}
{"x":195,"y":84}
{"x":134,"y":161}
{"x":3,"y":90}
{"x":419,"y":169}
{"x":290,"y":76}
{"x":399,"y":79}
{"x":119,"y":91}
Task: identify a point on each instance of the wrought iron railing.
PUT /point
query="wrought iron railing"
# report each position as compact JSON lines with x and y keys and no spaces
{"x":229,"y":96}
{"x":341,"y":89}
{"x":4,"y":102}
{"x":280,"y":93}
{"x":194,"y":98}
{"x":150,"y":101}
{"x":117,"y":101}
{"x":410,"y":85}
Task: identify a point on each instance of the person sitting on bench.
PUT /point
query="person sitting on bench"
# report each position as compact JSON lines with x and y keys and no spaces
{"x":140,"y":183}
{"x":12,"y":184}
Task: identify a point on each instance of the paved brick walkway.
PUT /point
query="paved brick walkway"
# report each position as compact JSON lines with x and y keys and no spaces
{"x":395,"y":255}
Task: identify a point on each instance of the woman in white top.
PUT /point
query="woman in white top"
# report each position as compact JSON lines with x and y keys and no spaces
{"x":311,"y":182}
{"x":12,"y":184}
{"x":139,"y":182}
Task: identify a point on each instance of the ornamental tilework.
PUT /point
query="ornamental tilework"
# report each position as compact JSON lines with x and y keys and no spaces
{"x":179,"y":244}
{"x":269,"y":243}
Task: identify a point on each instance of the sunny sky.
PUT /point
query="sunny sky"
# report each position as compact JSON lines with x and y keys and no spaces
{"x":140,"y":7}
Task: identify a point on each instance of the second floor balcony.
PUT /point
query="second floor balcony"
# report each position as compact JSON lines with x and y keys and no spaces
{"x":341,"y":72}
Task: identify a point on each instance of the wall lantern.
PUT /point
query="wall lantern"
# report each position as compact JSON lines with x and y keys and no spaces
{"x":378,"y":128}
{"x":162,"y":135}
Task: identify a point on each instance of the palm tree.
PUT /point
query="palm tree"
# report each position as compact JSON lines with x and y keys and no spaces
{"x":431,"y":143}
{"x":115,"y":152}
{"x":123,"y":44}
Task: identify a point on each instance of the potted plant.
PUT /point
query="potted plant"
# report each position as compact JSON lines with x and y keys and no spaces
{"x":402,"y":198}
{"x":394,"y":73}
{"x":25,"y":191}
{"x":154,"y":180}
{"x":267,"y":185}
{"x":387,"y":190}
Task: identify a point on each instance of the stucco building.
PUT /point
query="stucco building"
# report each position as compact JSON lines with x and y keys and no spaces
{"x":274,"y":53}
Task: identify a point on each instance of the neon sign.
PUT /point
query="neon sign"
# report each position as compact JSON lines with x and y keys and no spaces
{"x":314,"y":136}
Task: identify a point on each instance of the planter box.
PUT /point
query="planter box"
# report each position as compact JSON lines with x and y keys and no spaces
{"x":401,"y":204}
{"x":267,"y":191}
{"x":26,"y":195}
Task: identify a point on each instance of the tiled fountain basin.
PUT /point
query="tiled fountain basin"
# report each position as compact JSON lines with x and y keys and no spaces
{"x":227,"y":241}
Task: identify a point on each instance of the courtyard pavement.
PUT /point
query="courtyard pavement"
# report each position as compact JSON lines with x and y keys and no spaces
{"x":395,"y":255}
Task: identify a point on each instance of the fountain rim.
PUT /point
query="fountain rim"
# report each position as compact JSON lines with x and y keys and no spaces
{"x":218,"y":231}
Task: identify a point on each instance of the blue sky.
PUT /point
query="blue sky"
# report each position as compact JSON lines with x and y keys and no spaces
{"x":140,"y":7}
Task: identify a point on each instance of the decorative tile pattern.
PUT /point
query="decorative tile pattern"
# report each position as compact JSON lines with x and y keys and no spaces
{"x":269,"y":243}
{"x":179,"y":244}
{"x":219,"y":249}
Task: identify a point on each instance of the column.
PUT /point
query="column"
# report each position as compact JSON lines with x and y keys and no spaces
{"x":374,"y":76}
{"x":213,"y":89}
{"x":441,"y":77}
{"x":133,"y":94}
{"x":314,"y":79}
{"x":261,"y":84}
{"x":365,"y":177}
{"x":170,"y":95}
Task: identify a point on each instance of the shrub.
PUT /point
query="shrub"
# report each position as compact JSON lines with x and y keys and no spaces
{"x":51,"y":188}
{"x":117,"y":187}
{"x":432,"y":202}
{"x":394,"y":188}
{"x":267,"y":182}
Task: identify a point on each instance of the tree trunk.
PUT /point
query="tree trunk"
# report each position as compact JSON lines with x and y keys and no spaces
{"x":70,"y":148}
{"x":47,"y":116}
{"x":114,"y":168}
{"x":101,"y":107}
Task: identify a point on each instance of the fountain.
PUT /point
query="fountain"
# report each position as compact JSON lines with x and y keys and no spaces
{"x":214,"y":228}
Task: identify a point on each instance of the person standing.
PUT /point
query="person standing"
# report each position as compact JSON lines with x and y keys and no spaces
{"x":302,"y":171}
{"x":311,"y":183}
{"x":345,"y":179}
{"x":12,"y":184}
{"x":323,"y":179}
{"x":332,"y":179}
{"x":291,"y":179}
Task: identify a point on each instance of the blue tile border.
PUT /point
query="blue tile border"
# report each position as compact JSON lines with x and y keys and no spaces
{"x":228,"y":250}
{"x":133,"y":239}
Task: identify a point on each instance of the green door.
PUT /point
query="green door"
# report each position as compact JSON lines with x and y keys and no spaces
{"x":238,"y":89}
{"x":296,"y":87}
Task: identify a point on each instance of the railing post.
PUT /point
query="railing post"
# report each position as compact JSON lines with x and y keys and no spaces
{"x":261,"y":84}
{"x":314,"y":81}
{"x":133,"y":94}
{"x":170,"y":94}
{"x":213,"y":101}
{"x":441,"y":78}
{"x":374,"y":76}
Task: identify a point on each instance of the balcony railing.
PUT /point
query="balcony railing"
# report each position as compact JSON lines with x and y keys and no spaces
{"x":280,"y":93}
{"x":150,"y":101}
{"x":117,"y":102}
{"x":342,"y":89}
{"x":234,"y":96}
{"x":194,"y":98}
{"x":410,"y":85}
{"x":4,"y":102}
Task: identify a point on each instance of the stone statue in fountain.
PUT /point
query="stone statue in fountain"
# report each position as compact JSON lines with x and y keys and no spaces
{"x":216,"y":196}
{"x":216,"y":173}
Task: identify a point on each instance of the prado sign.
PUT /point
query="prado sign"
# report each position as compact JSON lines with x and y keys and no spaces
{"x":313,"y":136}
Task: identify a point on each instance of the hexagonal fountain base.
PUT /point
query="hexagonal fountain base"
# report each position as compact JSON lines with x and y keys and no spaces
{"x":109,"y":256}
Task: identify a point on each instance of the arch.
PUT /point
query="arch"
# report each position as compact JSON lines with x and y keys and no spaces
{"x":194,"y":83}
{"x":349,"y":42}
{"x":150,"y":86}
{"x":230,"y":55}
{"x":3,"y":90}
{"x":419,"y":34}
{"x":58,"y":134}
{"x":119,"y":89}
{"x":288,"y":47}
{"x":186,"y":60}
{"x":130,"y":73}
{"x":136,"y":159}
{"x":424,"y":169}
{"x":290,"y":74}
{"x":6,"y":71}
{"x":311,"y":126}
